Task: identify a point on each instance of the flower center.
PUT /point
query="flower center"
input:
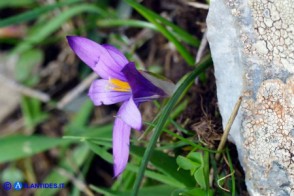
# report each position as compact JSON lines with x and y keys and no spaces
{"x":118,"y":85}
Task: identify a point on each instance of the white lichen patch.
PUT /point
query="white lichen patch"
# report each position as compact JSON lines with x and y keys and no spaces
{"x":274,"y":28}
{"x":268,"y":131}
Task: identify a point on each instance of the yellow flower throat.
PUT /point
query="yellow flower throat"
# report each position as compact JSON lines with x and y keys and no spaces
{"x":118,"y":85}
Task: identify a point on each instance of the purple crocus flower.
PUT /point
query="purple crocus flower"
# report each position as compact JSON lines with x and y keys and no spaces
{"x":121,"y":82}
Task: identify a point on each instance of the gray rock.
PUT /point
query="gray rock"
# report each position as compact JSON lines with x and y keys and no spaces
{"x":252,"y":45}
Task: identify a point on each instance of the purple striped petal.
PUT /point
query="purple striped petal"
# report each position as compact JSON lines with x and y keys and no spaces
{"x":120,"y":145}
{"x":99,"y":58}
{"x":100,"y":94}
{"x":117,"y":55}
{"x":142,"y":88}
{"x":130,"y":114}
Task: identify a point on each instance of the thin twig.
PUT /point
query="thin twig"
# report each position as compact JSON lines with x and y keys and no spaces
{"x":24,"y":90}
{"x":228,"y":127}
{"x":76,"y":91}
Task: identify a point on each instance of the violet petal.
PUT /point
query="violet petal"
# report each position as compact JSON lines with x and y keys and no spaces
{"x":130,"y":114}
{"x":120,"y":145}
{"x":117,"y":55}
{"x":100,"y":94}
{"x":97,"y":57}
{"x":142,"y":88}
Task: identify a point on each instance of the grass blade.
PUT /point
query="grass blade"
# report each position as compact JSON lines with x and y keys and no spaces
{"x":78,"y":157}
{"x":83,"y":116}
{"x":44,"y":32}
{"x":167,"y":165}
{"x":154,"y":18}
{"x":142,"y":24}
{"x":32,"y":14}
{"x":125,"y":22}
{"x":32,"y":112}
{"x":206,"y":62}
{"x":146,"y":191}
{"x":233,"y":181}
{"x":15,"y":3}
{"x":104,"y":154}
{"x":16,"y":147}
{"x":179,"y":32}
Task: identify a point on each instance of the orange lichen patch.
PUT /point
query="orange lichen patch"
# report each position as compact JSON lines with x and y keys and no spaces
{"x":268,"y":128}
{"x":118,"y":85}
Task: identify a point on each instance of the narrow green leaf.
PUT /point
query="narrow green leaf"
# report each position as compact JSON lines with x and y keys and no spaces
{"x":39,"y":35}
{"x":15,"y":3}
{"x":183,"y":139}
{"x":32,"y":112}
{"x":142,"y":24}
{"x":26,"y":112}
{"x":157,"y":176}
{"x":206,"y":168}
{"x":97,"y":132}
{"x":146,"y":191}
{"x":104,"y":191}
{"x":166,"y":164}
{"x":155,"y":20}
{"x":179,"y":32}
{"x":125,"y":22}
{"x":205,"y":62}
{"x":79,"y":156}
{"x":154,"y":190}
{"x":81,"y":117}
{"x":104,"y":154}
{"x":193,"y":192}
{"x":232,"y":171}
{"x":16,"y":147}
{"x":32,"y":14}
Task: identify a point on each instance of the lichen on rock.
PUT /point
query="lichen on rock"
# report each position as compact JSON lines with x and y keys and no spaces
{"x":267,"y":130}
{"x":252,"y":48}
{"x":274,"y":28}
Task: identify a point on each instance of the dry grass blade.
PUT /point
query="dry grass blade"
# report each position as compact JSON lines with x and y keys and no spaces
{"x":76,"y":91}
{"x":25,"y":90}
{"x":198,"y":5}
{"x":228,"y":127}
